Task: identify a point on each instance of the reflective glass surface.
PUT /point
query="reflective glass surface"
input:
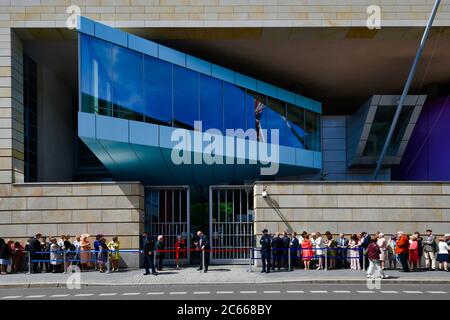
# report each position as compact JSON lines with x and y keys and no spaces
{"x":211,"y":103}
{"x":124,"y":83}
{"x":185,"y":97}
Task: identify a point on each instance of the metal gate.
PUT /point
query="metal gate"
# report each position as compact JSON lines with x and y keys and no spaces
{"x":231,"y":223}
{"x":167,"y":214}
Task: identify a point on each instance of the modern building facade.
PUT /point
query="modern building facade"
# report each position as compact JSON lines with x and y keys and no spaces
{"x":120,"y":124}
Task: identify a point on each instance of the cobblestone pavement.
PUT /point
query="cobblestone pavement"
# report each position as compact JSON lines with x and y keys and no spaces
{"x":217,"y":274}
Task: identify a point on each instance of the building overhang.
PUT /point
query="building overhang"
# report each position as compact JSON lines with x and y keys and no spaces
{"x":144,"y":152}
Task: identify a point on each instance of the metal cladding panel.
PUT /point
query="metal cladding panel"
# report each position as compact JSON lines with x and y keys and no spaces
{"x":222,"y":73}
{"x":304,"y":158}
{"x":245,"y":81}
{"x":86,"y":125}
{"x":171,"y":55}
{"x":109,"y":128}
{"x":198,"y":65}
{"x":285,"y":95}
{"x":111,"y":34}
{"x":154,"y":163}
{"x":86,"y":26}
{"x":265,"y":88}
{"x":144,"y":133}
{"x":142,"y":45}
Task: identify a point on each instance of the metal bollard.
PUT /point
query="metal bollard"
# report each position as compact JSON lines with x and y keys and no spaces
{"x":64,"y":262}
{"x":203,"y":260}
{"x":326,"y":259}
{"x":250,"y":260}
{"x":108,"y":263}
{"x":363,"y":260}
{"x":289,"y":259}
{"x":29,"y":262}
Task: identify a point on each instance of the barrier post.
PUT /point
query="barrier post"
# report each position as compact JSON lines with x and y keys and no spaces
{"x":363,"y":260}
{"x":138,"y":256}
{"x":108,"y":263}
{"x":203,"y":260}
{"x":250,"y":260}
{"x":64,"y":262}
{"x":154,"y":259}
{"x":29,"y":262}
{"x":289,"y":258}
{"x":326,"y":259}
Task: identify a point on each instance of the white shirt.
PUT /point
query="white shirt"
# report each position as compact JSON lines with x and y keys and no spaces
{"x":443,"y":247}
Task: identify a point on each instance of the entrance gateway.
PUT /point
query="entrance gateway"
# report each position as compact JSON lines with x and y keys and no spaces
{"x":226,"y":217}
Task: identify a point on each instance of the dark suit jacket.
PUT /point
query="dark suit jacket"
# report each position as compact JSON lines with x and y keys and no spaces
{"x":203,"y":241}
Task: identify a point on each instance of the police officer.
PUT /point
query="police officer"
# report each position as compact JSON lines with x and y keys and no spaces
{"x":148,"y":248}
{"x":266,"y":248}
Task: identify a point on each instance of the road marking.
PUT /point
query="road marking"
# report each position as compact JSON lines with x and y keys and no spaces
{"x":84,"y":294}
{"x":274,"y":291}
{"x":318,"y":291}
{"x":341,"y":291}
{"x":366,"y":291}
{"x":36,"y":296}
{"x":11,"y":297}
{"x":389,"y":291}
{"x":437,"y":292}
{"x":413,"y":292}
{"x":107,"y":294}
{"x":224,"y":292}
{"x":154,"y":293}
{"x":295,"y":291}
{"x":178,"y":292}
{"x":59,"y":295}
{"x":245,"y":292}
{"x":202,"y":292}
{"x":131,"y":293}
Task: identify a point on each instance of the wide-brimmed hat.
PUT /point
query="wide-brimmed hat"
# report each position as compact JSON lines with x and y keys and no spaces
{"x":265,"y":230}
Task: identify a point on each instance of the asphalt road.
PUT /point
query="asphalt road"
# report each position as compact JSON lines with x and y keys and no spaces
{"x":243,"y":292}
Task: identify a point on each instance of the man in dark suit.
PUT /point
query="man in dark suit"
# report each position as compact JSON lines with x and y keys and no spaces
{"x":266,"y":249}
{"x":295,"y":246}
{"x":285,"y":252}
{"x":277,"y":251}
{"x":342,"y":244}
{"x":365,"y":241}
{"x":35,"y":246}
{"x":204,"y":247}
{"x":148,"y":249}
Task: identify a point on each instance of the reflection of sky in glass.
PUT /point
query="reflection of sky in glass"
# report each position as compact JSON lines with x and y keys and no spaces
{"x":127,"y":73}
{"x":148,"y":89}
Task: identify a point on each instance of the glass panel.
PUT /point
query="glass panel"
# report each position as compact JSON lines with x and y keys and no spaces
{"x":128,"y":91}
{"x":379,"y":130}
{"x":211,"y":111}
{"x":158,"y":91}
{"x":295,"y":131}
{"x":312,"y":128}
{"x":276,"y":119}
{"x":402,"y":124}
{"x":96,"y":75}
{"x":256,"y":112}
{"x":234,"y":106}
{"x":185,"y":95}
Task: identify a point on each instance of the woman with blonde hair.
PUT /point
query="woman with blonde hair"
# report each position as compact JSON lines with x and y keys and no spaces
{"x":114,"y":255}
{"x":382,"y":244}
{"x":85,"y":253}
{"x":413,"y":253}
{"x":354,"y":246}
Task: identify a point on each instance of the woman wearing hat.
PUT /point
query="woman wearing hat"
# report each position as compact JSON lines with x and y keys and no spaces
{"x":85,"y":254}
{"x":381,"y":243}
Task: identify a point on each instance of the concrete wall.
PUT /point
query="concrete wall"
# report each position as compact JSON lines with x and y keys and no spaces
{"x":55,"y":129}
{"x":352,"y":207}
{"x":74,"y":208}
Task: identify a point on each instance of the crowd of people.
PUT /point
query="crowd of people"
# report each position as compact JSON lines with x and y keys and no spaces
{"x":373,"y":253}
{"x":56,"y":254}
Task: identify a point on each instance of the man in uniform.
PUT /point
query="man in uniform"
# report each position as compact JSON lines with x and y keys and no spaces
{"x":148,"y":248}
{"x":266,"y":248}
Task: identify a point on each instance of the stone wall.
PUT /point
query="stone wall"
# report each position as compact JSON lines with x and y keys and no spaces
{"x":73,"y":208}
{"x":352,"y":207}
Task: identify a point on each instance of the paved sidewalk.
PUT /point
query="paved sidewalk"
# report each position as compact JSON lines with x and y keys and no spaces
{"x":223,"y":274}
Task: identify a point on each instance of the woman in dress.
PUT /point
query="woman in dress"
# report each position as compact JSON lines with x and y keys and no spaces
{"x":320,"y":245}
{"x":180,"y":247}
{"x":307,"y":251}
{"x":4,"y":256}
{"x":56,"y":256}
{"x":354,"y":252}
{"x":413,"y":253}
{"x":85,"y":252}
{"x":381,"y":243}
{"x":102,"y":257}
{"x":17,"y":252}
{"x":331,"y":246}
{"x":114,"y":255}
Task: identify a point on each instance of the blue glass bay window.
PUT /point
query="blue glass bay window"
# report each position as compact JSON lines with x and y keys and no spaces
{"x":121,"y":82}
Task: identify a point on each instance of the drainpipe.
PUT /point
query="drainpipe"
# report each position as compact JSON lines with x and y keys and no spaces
{"x":406,"y":88}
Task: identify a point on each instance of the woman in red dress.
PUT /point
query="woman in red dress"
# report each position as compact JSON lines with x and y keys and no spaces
{"x":413,"y":252}
{"x":307,"y":251}
{"x":180,"y":247}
